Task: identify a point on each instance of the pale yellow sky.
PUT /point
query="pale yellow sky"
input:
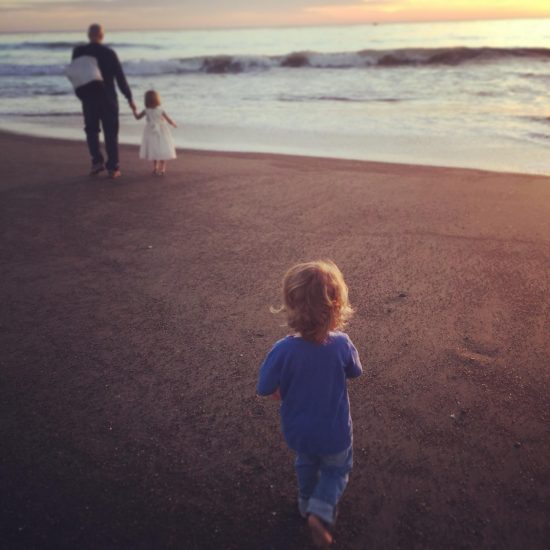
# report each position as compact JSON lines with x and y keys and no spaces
{"x":47,"y":15}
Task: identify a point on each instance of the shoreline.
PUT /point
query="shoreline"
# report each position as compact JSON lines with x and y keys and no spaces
{"x":207,"y":136}
{"x":270,"y":154}
{"x":136,"y":314}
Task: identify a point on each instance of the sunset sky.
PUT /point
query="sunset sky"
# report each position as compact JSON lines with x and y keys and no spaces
{"x":30,"y":15}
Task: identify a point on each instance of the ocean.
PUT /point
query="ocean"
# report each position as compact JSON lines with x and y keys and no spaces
{"x":469,"y":94}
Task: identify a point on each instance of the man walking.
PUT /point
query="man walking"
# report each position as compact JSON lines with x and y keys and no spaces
{"x":100,"y":103}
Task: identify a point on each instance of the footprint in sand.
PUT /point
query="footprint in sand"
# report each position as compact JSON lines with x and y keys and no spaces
{"x":395,"y":298}
{"x":477,"y":352}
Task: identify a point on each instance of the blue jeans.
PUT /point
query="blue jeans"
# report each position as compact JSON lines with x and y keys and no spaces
{"x":321,"y":482}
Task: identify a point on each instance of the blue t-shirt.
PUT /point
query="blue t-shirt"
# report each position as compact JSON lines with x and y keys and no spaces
{"x":312,"y":380}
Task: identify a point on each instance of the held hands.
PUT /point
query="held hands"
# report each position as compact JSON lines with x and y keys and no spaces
{"x":134,"y":109}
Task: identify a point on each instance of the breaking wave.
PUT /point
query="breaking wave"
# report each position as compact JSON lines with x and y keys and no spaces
{"x":363,"y":59}
{"x":344,"y":99}
{"x":410,"y":57}
{"x":14,"y":69}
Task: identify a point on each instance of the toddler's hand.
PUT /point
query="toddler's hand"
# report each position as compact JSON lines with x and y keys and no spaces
{"x":276,"y":395}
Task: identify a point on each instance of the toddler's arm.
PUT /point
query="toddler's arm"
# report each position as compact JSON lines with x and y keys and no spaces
{"x":269,"y":377}
{"x":353,"y":368}
{"x":137,"y":116}
{"x":169,"y":120}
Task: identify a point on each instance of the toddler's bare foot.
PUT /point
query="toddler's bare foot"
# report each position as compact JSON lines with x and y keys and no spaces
{"x":319,"y":533}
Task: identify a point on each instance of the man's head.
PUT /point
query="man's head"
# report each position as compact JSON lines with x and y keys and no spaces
{"x":95,"y":33}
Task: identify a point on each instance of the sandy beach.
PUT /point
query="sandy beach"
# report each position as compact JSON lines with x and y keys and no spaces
{"x":135,"y":314}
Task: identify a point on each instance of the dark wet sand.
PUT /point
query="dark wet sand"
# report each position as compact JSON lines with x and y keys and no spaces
{"x":135,"y":314}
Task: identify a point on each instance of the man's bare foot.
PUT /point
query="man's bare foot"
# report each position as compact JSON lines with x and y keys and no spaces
{"x":114,"y":174}
{"x":319,"y":533}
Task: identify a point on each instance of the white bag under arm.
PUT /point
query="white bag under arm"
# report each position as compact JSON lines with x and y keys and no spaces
{"x":82,"y":70}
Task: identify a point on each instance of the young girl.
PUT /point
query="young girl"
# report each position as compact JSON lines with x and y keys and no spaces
{"x":307,"y":371}
{"x":157,"y":143}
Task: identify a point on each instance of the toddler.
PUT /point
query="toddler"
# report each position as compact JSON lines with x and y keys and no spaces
{"x":307,"y":371}
{"x":157,"y":143}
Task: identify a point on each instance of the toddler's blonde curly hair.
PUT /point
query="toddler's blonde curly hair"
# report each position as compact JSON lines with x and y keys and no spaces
{"x":315,"y":298}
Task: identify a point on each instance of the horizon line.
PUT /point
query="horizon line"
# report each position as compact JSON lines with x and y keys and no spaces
{"x":289,"y":26}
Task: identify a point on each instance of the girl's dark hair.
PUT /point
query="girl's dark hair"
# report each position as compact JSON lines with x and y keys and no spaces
{"x":152,"y":99}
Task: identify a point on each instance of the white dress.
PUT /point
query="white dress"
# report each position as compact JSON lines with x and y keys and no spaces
{"x":157,"y":142}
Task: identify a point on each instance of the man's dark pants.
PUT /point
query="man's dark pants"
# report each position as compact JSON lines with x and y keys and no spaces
{"x":98,"y":108}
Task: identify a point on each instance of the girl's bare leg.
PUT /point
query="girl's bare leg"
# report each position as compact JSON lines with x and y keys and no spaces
{"x":155,"y":168}
{"x":162,"y":167}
